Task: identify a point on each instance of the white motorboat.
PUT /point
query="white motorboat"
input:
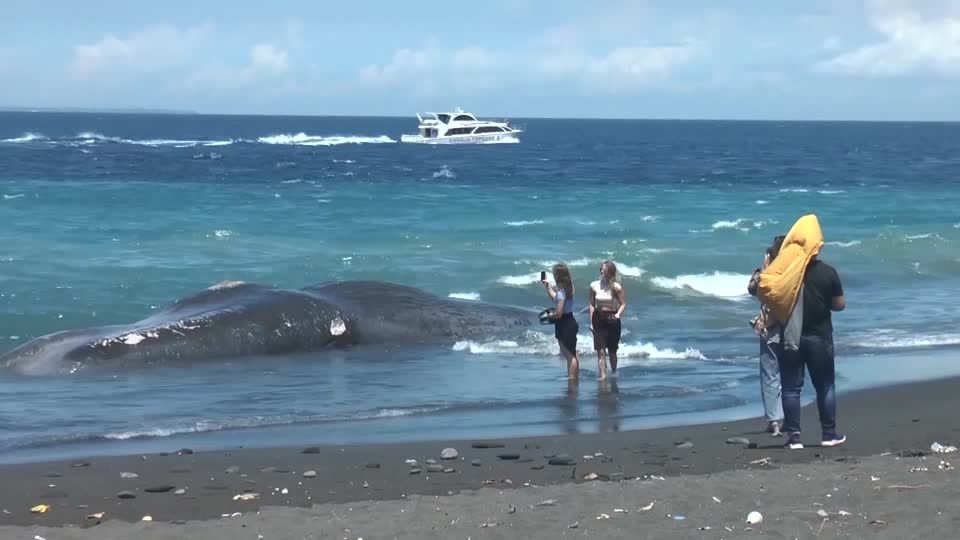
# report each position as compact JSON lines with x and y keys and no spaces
{"x":461,"y":127}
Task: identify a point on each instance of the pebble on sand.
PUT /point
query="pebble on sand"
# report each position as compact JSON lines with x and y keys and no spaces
{"x":160,"y":489}
{"x":738,"y":440}
{"x":233,"y":469}
{"x":373,"y":465}
{"x":685,"y":444}
{"x":486,"y":445}
{"x":415,"y":470}
{"x":126,"y":495}
{"x":181,"y":491}
{"x":476,"y":463}
{"x":433,"y":467}
{"x":311,"y":450}
{"x":310,"y":474}
{"x":562,"y":459}
{"x":129,"y":475}
{"x":449,"y":453}
{"x":508,"y":457}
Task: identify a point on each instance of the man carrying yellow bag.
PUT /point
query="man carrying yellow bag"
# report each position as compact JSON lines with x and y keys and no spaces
{"x":801,"y":291}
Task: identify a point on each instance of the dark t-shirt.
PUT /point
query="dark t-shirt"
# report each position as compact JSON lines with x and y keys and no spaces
{"x":820,"y":285}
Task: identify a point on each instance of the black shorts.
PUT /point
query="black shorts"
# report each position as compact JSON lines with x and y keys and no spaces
{"x":566,"y":329}
{"x":606,"y":331}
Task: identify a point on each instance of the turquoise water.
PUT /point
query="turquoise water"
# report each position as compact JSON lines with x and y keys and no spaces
{"x":108,"y":218}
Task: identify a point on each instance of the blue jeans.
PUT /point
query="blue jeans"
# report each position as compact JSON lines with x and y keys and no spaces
{"x":816,"y":355}
{"x":770,"y":380}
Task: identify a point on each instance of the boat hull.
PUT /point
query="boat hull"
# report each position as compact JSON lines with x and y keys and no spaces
{"x":484,"y":138}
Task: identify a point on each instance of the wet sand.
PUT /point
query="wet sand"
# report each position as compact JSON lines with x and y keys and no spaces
{"x":374,"y":493}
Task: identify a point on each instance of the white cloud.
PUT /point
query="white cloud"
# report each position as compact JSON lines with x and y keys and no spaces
{"x":267,"y":62}
{"x":155,"y":48}
{"x":620,"y":69}
{"x":911,"y":43}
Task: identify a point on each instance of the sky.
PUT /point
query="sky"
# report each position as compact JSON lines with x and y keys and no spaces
{"x":713,"y":59}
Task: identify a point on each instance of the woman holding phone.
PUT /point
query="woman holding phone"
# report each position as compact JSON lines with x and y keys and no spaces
{"x":607,"y":302}
{"x":565,"y":325}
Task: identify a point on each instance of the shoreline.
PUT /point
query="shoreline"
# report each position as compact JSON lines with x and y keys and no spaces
{"x":907,"y":417}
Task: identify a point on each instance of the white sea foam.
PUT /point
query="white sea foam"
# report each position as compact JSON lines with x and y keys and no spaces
{"x":292,"y":181}
{"x":627,"y":270}
{"x":444,"y":172}
{"x":14,"y":196}
{"x":586,"y":222}
{"x":830,"y":191}
{"x":302,"y":139}
{"x":525,"y":279}
{"x":761,"y":201}
{"x":25,"y":138}
{"x":523,"y":223}
{"x":851,"y":243}
{"x":739,"y":224}
{"x":897,"y":339}
{"x":924,"y":236}
{"x":465,"y":295}
{"x":222,"y":233}
{"x":649,"y":219}
{"x":724,"y":285}
{"x":794,"y":190}
{"x":544,"y":344}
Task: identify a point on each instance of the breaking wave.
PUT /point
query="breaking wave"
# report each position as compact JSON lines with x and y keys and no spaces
{"x":302,"y":139}
{"x":724,"y":285}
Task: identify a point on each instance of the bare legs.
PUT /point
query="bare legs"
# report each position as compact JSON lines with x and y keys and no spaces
{"x":573,"y":364}
{"x":601,"y":364}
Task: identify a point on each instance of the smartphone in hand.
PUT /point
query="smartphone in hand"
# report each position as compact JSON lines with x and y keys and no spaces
{"x":543,"y":276}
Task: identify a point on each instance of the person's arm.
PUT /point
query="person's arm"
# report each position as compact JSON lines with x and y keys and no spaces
{"x":621,"y":297}
{"x":550,"y":291}
{"x":561,"y":297}
{"x":838,"y":302}
{"x":593,"y":305}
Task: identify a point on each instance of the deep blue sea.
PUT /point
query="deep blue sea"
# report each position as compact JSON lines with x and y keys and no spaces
{"x":106,"y":218}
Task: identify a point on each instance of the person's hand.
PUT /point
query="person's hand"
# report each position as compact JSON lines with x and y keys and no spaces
{"x":616,"y":316}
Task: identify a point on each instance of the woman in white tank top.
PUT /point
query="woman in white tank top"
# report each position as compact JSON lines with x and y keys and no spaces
{"x":607,"y":303}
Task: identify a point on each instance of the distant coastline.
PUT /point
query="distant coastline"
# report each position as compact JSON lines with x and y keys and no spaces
{"x":95,"y":110}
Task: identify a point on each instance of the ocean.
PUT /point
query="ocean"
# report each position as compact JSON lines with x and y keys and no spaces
{"x":107,"y":218}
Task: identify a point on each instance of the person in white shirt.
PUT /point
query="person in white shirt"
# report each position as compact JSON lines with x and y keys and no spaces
{"x":607,"y":302}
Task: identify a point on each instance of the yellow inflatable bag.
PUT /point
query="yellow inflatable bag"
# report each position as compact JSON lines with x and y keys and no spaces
{"x":781,"y":280}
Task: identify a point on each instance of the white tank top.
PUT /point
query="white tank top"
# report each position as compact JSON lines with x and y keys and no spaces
{"x":604,"y":298}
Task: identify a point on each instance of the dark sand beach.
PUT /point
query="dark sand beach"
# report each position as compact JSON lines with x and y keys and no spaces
{"x":885,"y":480}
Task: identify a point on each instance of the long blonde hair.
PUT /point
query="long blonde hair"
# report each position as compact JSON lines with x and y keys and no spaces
{"x":562,"y":274}
{"x":614,"y":276}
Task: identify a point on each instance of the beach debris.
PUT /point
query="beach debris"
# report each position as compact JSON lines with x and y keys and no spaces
{"x":511,"y":509}
{"x":548,"y":502}
{"x":410,"y":462}
{"x":591,"y":476}
{"x":476,"y":463}
{"x":431,"y":461}
{"x":874,"y":478}
{"x":738,"y":440}
{"x":761,"y":461}
{"x":488,"y":525}
{"x":40,"y":509}
{"x":246,"y":496}
{"x":706,"y":528}
{"x":717,"y":500}
{"x":678,"y":517}
{"x":942,"y":449}
{"x":918,"y":469}
{"x":233,"y":469}
{"x":754,"y":518}
{"x":38,"y":537}
{"x":647,"y":507}
{"x":146,"y":518}
{"x":98,"y":515}
{"x":284,"y":491}
{"x":366,"y":484}
{"x":899,"y":486}
{"x":310,"y":474}
{"x":415,"y":470}
{"x":126,"y":495}
{"x":574,"y":525}
{"x":80,"y":464}
{"x":878,"y":522}
{"x":449,"y":470}
{"x":603,"y":516}
{"x":684,"y":445}
{"x":181,"y":491}
{"x":587,"y":457}
{"x":434,"y":467}
{"x":822,"y":513}
{"x":619,"y":511}
{"x":184,"y":452}
{"x":562,"y":460}
{"x":311,"y":450}
{"x":945,"y":466}
{"x":486,"y":445}
{"x":160,"y":489}
{"x":373,"y":465}
{"x":129,"y":475}
{"x":508,"y":457}
{"x":843,"y":513}
{"x":449,"y":453}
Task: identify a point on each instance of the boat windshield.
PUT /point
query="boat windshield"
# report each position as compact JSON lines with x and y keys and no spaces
{"x":465,"y":118}
{"x":445,"y":118}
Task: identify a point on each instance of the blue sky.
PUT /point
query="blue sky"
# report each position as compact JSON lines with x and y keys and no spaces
{"x":814,"y":59}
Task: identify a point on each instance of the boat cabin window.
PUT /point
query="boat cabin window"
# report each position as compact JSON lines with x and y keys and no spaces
{"x":445,"y":118}
{"x":460,"y":131}
{"x":465,"y":118}
{"x":489,"y":129}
